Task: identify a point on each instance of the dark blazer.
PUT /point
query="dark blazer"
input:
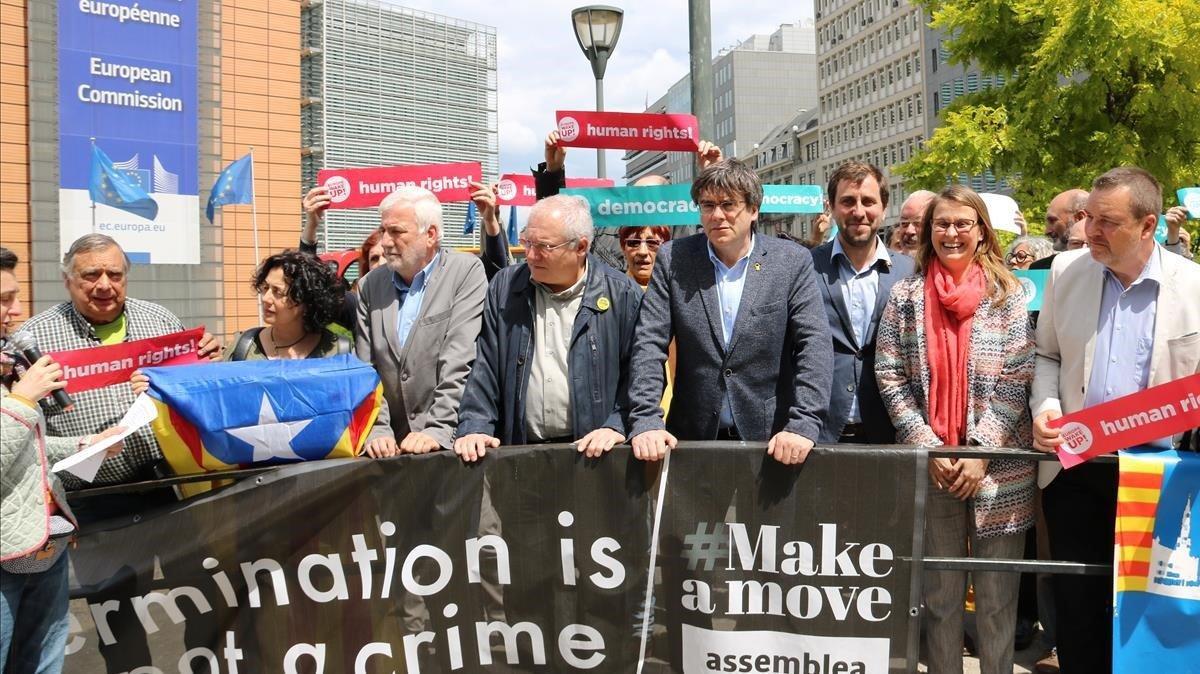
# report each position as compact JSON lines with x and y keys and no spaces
{"x":854,"y":363}
{"x":601,"y":341}
{"x":777,"y":367}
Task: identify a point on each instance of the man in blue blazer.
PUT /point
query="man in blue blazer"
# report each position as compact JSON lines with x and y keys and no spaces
{"x":856,"y":273}
{"x":753,"y":352}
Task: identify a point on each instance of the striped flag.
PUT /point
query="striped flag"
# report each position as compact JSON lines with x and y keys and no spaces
{"x":1157,"y":563}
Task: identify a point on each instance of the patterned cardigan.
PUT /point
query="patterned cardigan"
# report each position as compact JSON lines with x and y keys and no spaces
{"x":999,"y":374}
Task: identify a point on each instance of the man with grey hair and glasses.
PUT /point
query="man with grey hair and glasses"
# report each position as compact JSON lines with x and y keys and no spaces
{"x":418,"y":318}
{"x":95,"y":272}
{"x":553,"y":355}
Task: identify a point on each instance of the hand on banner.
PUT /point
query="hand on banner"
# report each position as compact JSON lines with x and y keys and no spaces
{"x":598,"y":442}
{"x":970,"y":475}
{"x":1046,"y":439}
{"x":485,"y":203}
{"x":1175,"y":216}
{"x":139,"y":382}
{"x":653,"y":445}
{"x":556,"y":155}
{"x":418,"y":443}
{"x":473,"y":447}
{"x":943,"y":471}
{"x":209,"y":347}
{"x":40,"y":380}
{"x":315,"y":203}
{"x":708,"y":154}
{"x":790,"y":449}
{"x":381,"y":448}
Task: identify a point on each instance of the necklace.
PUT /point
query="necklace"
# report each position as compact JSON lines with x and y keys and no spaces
{"x":279,"y":346}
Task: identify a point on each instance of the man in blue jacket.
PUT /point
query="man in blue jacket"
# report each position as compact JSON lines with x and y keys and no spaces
{"x":856,"y":273}
{"x":553,"y":355}
{"x":753,"y":354}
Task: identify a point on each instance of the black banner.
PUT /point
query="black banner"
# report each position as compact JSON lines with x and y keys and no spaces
{"x":535,"y":560}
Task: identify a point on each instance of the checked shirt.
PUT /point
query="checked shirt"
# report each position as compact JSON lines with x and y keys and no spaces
{"x":62,"y":328}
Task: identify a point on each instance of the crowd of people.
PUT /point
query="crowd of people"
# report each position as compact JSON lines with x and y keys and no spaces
{"x":916,"y":335}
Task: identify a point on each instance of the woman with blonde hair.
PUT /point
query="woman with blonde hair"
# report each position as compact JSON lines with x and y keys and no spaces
{"x":954,"y":364}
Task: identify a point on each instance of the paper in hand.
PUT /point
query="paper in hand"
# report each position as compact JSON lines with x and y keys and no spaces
{"x":86,"y":462}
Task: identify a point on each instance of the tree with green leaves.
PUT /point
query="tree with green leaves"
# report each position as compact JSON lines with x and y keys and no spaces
{"x":1088,"y":86}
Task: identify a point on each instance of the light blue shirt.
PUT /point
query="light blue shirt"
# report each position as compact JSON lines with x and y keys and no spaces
{"x":860,"y":290}
{"x":730,"y":282}
{"x":411,"y":296}
{"x":1125,"y":334}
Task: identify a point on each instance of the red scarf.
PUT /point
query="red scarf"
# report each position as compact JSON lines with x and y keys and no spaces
{"x":949,"y":311}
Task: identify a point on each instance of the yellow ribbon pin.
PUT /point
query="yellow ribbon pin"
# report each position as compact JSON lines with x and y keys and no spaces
{"x":603,"y":304}
{"x":757,"y":266}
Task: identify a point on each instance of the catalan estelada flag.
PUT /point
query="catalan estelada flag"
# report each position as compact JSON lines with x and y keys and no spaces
{"x":222,"y":416}
{"x":1156,"y":617}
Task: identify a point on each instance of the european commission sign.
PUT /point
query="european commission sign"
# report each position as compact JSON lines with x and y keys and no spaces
{"x":127,"y":79}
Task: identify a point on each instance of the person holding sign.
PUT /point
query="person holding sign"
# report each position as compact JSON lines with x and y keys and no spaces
{"x":753,"y":350}
{"x":954,"y":362}
{"x":37,"y":523}
{"x":95,"y":272}
{"x":1116,"y":319}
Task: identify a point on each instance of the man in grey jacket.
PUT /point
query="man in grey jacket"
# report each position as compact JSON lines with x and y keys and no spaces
{"x":753,"y":350}
{"x":418,"y":318}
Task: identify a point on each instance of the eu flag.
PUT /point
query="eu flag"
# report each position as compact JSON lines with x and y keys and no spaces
{"x":469,"y":223}
{"x":110,"y":187}
{"x":235,"y":185}
{"x":512,"y":225}
{"x":218,"y":416}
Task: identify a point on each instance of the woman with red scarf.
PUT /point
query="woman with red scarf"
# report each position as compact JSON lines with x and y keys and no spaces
{"x":954,"y":364}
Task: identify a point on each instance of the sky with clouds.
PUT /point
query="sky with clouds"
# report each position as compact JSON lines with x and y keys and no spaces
{"x":541,"y":68}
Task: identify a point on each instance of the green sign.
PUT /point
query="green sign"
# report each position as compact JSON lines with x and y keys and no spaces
{"x":1033,"y":282}
{"x":1189,"y":198}
{"x":671,"y":205}
{"x":793,"y":199}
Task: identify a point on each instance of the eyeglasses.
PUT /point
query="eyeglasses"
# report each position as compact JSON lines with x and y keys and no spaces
{"x":1020,"y":256}
{"x":633,"y":243}
{"x":960,"y":226}
{"x":909,"y":223}
{"x":728,"y":207}
{"x":1076,"y":244}
{"x":543,"y":248}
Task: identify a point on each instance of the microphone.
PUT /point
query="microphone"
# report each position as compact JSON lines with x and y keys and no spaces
{"x":29,"y":348}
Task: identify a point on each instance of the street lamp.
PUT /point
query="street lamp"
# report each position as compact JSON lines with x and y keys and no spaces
{"x":597,"y":28}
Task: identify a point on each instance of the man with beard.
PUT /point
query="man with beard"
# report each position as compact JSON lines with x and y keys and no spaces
{"x":856,"y":274}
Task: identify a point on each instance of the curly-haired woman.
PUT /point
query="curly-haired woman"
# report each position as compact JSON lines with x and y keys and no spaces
{"x":299,"y":298}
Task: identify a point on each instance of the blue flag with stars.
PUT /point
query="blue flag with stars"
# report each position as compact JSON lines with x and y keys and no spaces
{"x":111,"y":187}
{"x":512,"y":225}
{"x":235,"y":185}
{"x":469,"y":223}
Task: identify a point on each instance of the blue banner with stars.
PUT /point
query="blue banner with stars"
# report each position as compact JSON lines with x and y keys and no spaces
{"x":127,"y":82}
{"x":235,"y":185}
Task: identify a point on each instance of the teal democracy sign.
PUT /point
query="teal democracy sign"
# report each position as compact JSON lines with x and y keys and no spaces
{"x":1033,"y":283}
{"x":1189,"y":198}
{"x":672,"y":205}
{"x":792,"y":199}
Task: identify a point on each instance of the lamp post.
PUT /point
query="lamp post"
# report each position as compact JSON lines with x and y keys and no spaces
{"x":597,"y":28}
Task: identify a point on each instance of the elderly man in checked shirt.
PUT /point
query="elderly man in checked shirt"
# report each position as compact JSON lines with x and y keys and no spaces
{"x":95,"y":271}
